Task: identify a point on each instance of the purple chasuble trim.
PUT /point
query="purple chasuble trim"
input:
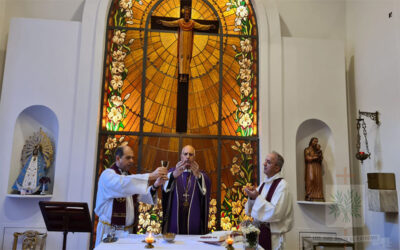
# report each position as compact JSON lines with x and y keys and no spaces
{"x":264,"y":238}
{"x":118,"y":214}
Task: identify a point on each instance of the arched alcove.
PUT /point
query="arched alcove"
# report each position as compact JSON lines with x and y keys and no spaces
{"x":319,"y":129}
{"x":29,"y":121}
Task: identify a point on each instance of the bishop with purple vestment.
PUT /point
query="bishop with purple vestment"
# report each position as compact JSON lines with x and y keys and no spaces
{"x":186,"y":201}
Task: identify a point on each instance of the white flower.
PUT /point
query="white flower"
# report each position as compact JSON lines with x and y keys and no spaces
{"x":117,"y":67}
{"x":245,"y":74}
{"x":244,"y":106}
{"x":119,"y":37}
{"x":111,"y":143}
{"x":247,"y":149}
{"x":245,"y":121}
{"x":125,"y":4}
{"x":119,"y":55}
{"x":140,"y":3}
{"x":115,"y":115}
{"x":249,"y":229}
{"x":245,"y":63}
{"x":242,"y":12}
{"x":116,"y":100}
{"x":116,"y":82}
{"x":238,"y":21}
{"x":144,"y":219}
{"x":246,"y":45}
{"x":245,"y":88}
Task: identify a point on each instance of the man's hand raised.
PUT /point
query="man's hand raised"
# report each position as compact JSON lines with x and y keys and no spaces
{"x":251,"y":192}
{"x":159,"y":172}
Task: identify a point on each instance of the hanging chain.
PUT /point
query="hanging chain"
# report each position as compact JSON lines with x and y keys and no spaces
{"x":364,"y":126}
{"x":358,"y":134}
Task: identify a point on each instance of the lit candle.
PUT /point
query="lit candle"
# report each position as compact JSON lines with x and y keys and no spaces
{"x":229,"y":241}
{"x":361,"y":153}
{"x":149,"y":239}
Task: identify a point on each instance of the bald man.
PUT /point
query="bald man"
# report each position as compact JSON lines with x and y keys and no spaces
{"x":186,"y":197}
{"x":119,"y":193}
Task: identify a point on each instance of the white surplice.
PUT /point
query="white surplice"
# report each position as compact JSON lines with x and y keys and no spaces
{"x":278,"y":212}
{"x":112,"y":185}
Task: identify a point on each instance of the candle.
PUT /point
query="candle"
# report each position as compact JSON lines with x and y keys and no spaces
{"x":229,"y":241}
{"x":149,"y":239}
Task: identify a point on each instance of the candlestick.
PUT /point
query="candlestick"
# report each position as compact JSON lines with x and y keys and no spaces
{"x":149,"y":240}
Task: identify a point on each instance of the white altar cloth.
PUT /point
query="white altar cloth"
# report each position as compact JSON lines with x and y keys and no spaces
{"x":134,"y":241}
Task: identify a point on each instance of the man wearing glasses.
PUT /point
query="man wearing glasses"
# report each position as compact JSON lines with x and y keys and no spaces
{"x":186,"y":197}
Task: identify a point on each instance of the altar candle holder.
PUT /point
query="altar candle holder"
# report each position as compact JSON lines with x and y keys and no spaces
{"x":149,"y":240}
{"x":229,"y":243}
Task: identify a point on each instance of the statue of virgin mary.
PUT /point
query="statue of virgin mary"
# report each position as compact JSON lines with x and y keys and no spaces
{"x":36,"y":158}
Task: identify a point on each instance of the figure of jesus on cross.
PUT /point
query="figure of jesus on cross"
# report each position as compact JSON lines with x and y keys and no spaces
{"x":186,"y":27}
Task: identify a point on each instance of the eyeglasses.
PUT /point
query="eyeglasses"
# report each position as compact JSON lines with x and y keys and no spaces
{"x":190,"y":154}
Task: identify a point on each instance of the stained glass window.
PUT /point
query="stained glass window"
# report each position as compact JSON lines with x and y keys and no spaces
{"x":139,"y":101}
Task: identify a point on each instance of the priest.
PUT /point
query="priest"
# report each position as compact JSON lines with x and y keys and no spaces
{"x":186,"y":197}
{"x":119,"y":193}
{"x":270,"y":205}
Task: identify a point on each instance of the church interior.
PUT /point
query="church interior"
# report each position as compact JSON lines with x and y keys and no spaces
{"x":84,"y":77}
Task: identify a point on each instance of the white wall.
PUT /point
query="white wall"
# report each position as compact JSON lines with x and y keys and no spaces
{"x":314,"y":86}
{"x":45,"y":9}
{"x":41,"y":69}
{"x":373,"y":78}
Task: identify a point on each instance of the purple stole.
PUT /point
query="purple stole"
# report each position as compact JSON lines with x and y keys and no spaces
{"x":264,"y":238}
{"x":118,"y":214}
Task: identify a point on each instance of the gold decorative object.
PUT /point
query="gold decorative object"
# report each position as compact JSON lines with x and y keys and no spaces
{"x":31,"y":239}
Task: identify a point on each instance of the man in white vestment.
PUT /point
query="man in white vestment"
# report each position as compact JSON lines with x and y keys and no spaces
{"x":270,"y":204}
{"x":118,"y":193}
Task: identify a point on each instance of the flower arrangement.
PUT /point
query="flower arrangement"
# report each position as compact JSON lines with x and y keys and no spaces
{"x":250,"y":234}
{"x":242,"y":169}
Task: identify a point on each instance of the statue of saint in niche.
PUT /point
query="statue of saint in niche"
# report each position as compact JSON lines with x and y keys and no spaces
{"x":36,"y":158}
{"x":313,"y":172}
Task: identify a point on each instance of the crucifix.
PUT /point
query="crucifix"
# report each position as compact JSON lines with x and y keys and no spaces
{"x":186,"y":26}
{"x":186,"y":202}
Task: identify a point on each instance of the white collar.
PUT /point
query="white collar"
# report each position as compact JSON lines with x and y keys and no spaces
{"x":276,"y":176}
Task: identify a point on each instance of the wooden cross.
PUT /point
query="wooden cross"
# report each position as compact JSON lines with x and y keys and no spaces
{"x":186,"y":26}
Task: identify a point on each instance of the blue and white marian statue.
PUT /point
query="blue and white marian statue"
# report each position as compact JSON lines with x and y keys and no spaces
{"x":36,"y":158}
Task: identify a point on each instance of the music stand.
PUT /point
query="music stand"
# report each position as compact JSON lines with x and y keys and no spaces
{"x":66,"y":217}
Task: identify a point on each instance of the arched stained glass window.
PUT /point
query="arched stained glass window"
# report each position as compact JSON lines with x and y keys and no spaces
{"x":139,"y":102}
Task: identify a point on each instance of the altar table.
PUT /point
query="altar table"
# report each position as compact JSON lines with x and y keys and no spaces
{"x":134,"y":241}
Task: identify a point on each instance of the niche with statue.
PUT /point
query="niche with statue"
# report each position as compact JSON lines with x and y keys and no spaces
{"x":315,"y":164}
{"x":33,"y":153}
